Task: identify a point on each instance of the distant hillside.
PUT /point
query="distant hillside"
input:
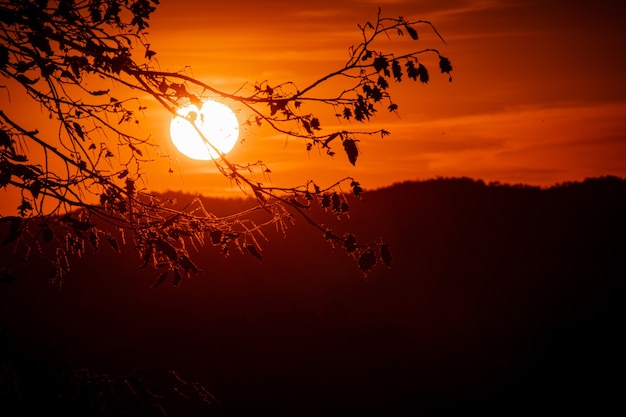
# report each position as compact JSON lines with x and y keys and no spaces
{"x":500,"y":298}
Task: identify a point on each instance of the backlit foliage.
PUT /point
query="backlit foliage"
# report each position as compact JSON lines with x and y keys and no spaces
{"x":90,"y":165}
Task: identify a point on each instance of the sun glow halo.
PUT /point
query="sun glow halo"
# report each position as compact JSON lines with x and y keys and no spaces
{"x":216,"y":121}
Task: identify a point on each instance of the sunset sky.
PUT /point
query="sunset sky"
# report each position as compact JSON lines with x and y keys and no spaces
{"x":538,"y":95}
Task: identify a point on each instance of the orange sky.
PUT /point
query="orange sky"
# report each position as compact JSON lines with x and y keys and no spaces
{"x":538,"y":95}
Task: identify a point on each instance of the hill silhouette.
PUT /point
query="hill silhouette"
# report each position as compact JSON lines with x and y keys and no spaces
{"x":500,"y":298}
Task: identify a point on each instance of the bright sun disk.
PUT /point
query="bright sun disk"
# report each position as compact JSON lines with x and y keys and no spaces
{"x":216,"y":121}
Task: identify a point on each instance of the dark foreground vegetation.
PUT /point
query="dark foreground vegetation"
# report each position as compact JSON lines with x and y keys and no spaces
{"x":503,"y":299}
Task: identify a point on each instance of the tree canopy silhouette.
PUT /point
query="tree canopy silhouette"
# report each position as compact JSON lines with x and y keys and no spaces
{"x":89,"y":167}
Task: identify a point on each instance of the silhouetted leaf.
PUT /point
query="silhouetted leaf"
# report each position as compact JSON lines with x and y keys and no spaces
{"x":147,"y":256}
{"x":112,"y":241}
{"x":411,"y":71}
{"x":380,"y":63}
{"x":24,"y":207}
{"x":382,"y":82}
{"x":423,"y":73}
{"x":150,"y":54}
{"x":79,"y":130}
{"x":35,"y":188}
{"x":130,"y":187}
{"x":82,"y":226}
{"x":397,"y":70}
{"x":187,"y":265}
{"x":412,"y":32}
{"x":252,"y":250}
{"x":47,"y":235}
{"x":336,"y":203}
{"x":367,"y":260}
{"x":356,"y":189}
{"x":349,"y":243}
{"x":444,"y":64}
{"x":349,"y":145}
{"x":14,"y":228}
{"x":347,"y":113}
{"x":325,"y":202}
{"x":307,"y":126}
{"x":93,"y":239}
{"x":161,"y":279}
{"x":177,"y":277}
{"x":4,"y":57}
{"x":25,"y":80}
{"x":216,"y":236}
{"x":5,"y":139}
{"x":166,"y":248}
{"x":392,"y":107}
{"x":385,"y":255}
{"x":99,"y":92}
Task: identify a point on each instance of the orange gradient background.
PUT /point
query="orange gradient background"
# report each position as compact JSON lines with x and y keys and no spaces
{"x":538,"y":95}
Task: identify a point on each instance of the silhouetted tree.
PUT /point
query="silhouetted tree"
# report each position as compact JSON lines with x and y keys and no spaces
{"x":91,"y":169}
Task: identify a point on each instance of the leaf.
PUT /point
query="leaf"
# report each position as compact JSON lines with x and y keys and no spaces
{"x":411,"y":71}
{"x":367,"y":260}
{"x":382,"y":82}
{"x":166,"y":248}
{"x":150,"y":54}
{"x":216,"y":236}
{"x":252,"y":250}
{"x":444,"y":64}
{"x":99,"y":92}
{"x":5,"y":139}
{"x":349,"y":145}
{"x":423,"y":73}
{"x":177,"y":278}
{"x":385,"y":255}
{"x":397,"y":70}
{"x":79,"y":130}
{"x":307,"y":126}
{"x":47,"y":235}
{"x":161,"y":279}
{"x":93,"y":239}
{"x":349,"y":243}
{"x":25,"y":80}
{"x":186,"y":263}
{"x":82,"y":226}
{"x":35,"y":188}
{"x":147,"y":255}
{"x":412,"y":32}
{"x":14,"y":228}
{"x":356,"y":189}
{"x":130,"y":186}
{"x":380,"y":63}
{"x":112,"y":241}
{"x":392,"y":107}
{"x":336,"y":200}
{"x":347,"y":113}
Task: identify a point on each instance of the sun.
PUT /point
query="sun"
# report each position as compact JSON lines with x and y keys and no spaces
{"x":216,"y":121}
